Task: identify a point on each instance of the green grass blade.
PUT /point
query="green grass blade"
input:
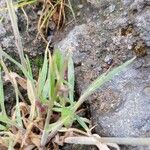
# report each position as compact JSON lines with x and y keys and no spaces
{"x":82,"y":123}
{"x":67,"y":112}
{"x":57,"y":109}
{"x":100,"y":81}
{"x":2,"y":95}
{"x":5,"y":119}
{"x":1,"y":19}
{"x":18,"y":113}
{"x":13,"y":19}
{"x":2,"y":128}
{"x":71,"y":78}
{"x":43,"y":75}
{"x":52,"y":81}
{"x":25,"y":72}
{"x":11,"y":144}
{"x":29,"y":66}
{"x":46,"y":94}
{"x":59,"y":60}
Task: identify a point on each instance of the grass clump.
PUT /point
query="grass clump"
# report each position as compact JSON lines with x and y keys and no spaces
{"x":45,"y":118}
{"x":33,"y":122}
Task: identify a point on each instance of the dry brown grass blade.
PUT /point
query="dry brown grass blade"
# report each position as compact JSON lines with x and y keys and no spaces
{"x":61,"y":14}
{"x":51,"y":11}
{"x":35,"y":139}
{"x":29,"y":147}
{"x":21,"y":81}
{"x":26,"y":136}
{"x":24,"y":109}
{"x":88,"y":141}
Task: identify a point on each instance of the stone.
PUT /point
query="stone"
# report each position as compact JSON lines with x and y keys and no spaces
{"x":142,"y":22}
{"x":112,"y":8}
{"x":121,"y":108}
{"x":127,"y":2}
{"x":130,"y":115}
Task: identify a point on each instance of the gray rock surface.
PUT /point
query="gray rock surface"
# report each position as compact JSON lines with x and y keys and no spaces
{"x":130,"y":116}
{"x":121,"y":108}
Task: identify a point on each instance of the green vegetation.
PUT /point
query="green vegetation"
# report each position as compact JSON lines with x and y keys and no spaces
{"x":53,"y":92}
{"x":50,"y":109}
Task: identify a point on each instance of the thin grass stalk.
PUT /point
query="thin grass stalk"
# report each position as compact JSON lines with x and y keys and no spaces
{"x":45,"y":133}
{"x":13,"y":19}
{"x":22,"y":4}
{"x":18,"y":114}
{"x":93,"y":140}
{"x":126,"y":141}
{"x":72,"y":11}
{"x":11,"y":80}
{"x":26,"y":16}
{"x":60,"y":14}
{"x":2,"y":95}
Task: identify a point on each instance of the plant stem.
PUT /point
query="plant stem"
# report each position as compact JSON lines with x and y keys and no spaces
{"x":13,"y":19}
{"x":45,"y":133}
{"x":78,"y":103}
{"x":126,"y":141}
{"x":107,"y":140}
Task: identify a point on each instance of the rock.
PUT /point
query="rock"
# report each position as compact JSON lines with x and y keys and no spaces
{"x":112,"y":8}
{"x":117,"y":109}
{"x":129,"y":117}
{"x":121,"y":108}
{"x":142,"y":22}
{"x":127,"y":2}
{"x":80,"y":6}
{"x":108,"y":59}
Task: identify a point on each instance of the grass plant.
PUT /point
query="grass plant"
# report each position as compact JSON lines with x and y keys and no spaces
{"x":46,"y":117}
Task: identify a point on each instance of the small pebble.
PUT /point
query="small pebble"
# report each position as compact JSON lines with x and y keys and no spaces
{"x":112,"y":8}
{"x":108,"y":59}
{"x":79,"y":13}
{"x":147,"y":91}
{"x":39,"y":12}
{"x":80,"y":6}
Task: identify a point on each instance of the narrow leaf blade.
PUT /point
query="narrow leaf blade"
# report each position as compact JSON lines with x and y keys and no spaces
{"x":71,"y":78}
